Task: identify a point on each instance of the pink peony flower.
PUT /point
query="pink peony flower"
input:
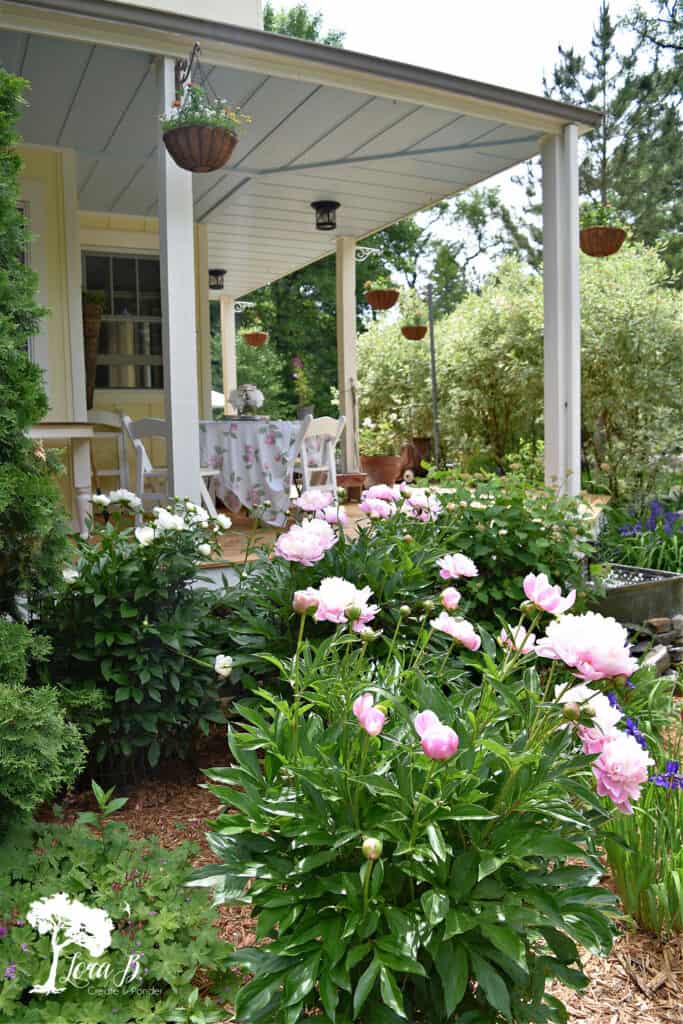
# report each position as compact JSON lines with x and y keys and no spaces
{"x":517,"y":639}
{"x":381,"y":491}
{"x":335,"y":515}
{"x":459,"y":629}
{"x":339,"y":601}
{"x":322,"y":530}
{"x":306,"y":543}
{"x":450,"y":598}
{"x":424,"y":721}
{"x":455,"y":567}
{"x":370,"y":718}
{"x":377,"y":508}
{"x":422,"y":506}
{"x":439,"y":741}
{"x":547,"y":598}
{"x":311,"y":501}
{"x":594,"y":740}
{"x":305,"y":600}
{"x":621,"y":769}
{"x":592,"y":644}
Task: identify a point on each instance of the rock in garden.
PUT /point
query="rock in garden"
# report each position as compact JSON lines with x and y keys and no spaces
{"x":659,"y":659}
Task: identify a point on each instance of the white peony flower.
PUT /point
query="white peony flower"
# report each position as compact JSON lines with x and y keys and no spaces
{"x":166,"y":521}
{"x":225,"y":522}
{"x":145,"y":535}
{"x":69,"y":575}
{"x":223,"y":665}
{"x":125,"y":497}
{"x":99,"y":500}
{"x":205,"y":550}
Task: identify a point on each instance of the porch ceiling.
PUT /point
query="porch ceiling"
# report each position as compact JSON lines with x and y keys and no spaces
{"x":380,"y":158}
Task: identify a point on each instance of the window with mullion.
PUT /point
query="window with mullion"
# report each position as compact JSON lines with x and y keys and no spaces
{"x":129,"y":344}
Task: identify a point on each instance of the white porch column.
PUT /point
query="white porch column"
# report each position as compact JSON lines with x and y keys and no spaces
{"x":346,"y":350}
{"x":228,"y":351}
{"x":176,"y":237}
{"x":562,"y":330}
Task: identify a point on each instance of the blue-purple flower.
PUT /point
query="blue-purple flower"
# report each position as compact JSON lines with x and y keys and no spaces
{"x":670,"y":778}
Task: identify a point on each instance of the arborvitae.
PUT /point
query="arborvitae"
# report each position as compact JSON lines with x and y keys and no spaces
{"x":32,"y":527}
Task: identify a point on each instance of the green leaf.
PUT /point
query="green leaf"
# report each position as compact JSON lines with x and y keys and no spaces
{"x":391,"y":993}
{"x":507,"y":941}
{"x":436,"y":841}
{"x":452,"y":967}
{"x":300,"y":980}
{"x":329,"y":995}
{"x":153,"y":753}
{"x":492,"y":984}
{"x":365,"y":985}
{"x":435,"y":905}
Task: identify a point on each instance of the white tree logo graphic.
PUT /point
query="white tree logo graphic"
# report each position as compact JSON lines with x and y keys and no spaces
{"x":70,"y":923}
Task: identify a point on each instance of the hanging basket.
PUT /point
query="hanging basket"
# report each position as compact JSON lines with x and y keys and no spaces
{"x":601,"y":241}
{"x":255,"y":338}
{"x":382,"y":298}
{"x":92,"y":321}
{"x":200,"y":148}
{"x":414,"y":332}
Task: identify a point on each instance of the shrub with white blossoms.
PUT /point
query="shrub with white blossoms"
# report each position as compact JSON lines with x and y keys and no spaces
{"x":132,"y":637}
{"x":419,"y":840}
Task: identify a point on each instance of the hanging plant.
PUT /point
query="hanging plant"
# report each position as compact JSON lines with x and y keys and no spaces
{"x":93,"y":307}
{"x":601,"y":233}
{"x":414,"y":315}
{"x":201,"y":133}
{"x":254,"y":334}
{"x":381,"y":294}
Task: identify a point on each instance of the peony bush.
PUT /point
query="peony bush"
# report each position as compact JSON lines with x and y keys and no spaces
{"x":415,"y":831}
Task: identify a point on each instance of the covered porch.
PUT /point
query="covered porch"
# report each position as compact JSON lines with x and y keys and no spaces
{"x":382,"y":139}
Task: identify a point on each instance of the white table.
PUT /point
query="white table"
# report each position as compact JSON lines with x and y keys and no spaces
{"x":254,"y":458}
{"x":78,"y":436}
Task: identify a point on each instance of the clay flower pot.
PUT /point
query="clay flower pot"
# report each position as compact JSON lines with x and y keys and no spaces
{"x":381,"y":469}
{"x":200,"y":148}
{"x":414,"y":332}
{"x":255,"y":338}
{"x":382,"y":298}
{"x":601,"y":241}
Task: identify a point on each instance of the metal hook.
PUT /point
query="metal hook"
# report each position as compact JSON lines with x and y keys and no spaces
{"x":183,"y":70}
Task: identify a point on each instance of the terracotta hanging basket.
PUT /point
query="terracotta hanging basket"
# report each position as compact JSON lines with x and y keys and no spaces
{"x":381,"y":298}
{"x":200,"y":148}
{"x":601,"y":240}
{"x":255,"y":338}
{"x":414,"y":332}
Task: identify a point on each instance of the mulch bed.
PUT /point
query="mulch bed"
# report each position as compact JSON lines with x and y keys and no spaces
{"x":641,"y":982}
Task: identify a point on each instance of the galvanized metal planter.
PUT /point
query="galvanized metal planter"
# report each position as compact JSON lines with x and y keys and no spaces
{"x":659,"y":595}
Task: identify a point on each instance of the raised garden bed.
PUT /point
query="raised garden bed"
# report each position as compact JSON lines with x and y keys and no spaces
{"x":635,"y":594}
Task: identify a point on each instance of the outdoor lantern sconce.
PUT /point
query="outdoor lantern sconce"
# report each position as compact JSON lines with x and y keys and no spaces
{"x":325,"y":214}
{"x":216,"y":279}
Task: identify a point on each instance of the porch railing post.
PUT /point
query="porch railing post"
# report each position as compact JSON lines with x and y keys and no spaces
{"x":562,"y":327}
{"x":179,"y":328}
{"x":228,"y":351}
{"x":347,"y":358}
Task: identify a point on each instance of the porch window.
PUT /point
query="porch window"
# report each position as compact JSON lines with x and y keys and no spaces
{"x":129,"y":353}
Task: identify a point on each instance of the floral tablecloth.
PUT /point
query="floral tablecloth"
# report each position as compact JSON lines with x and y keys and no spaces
{"x":253,"y":458}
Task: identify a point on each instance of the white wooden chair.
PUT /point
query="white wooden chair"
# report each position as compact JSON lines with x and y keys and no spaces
{"x":111,"y":419}
{"x":295,"y":457}
{"x":325,"y":432}
{"x":140,"y":430}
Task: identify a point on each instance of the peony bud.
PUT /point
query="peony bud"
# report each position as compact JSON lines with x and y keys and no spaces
{"x":404,"y":611}
{"x":450,"y":506}
{"x":407,"y":538}
{"x":205,"y":550}
{"x":571,"y":711}
{"x":352,"y":614}
{"x":372,"y":848}
{"x":305,"y":601}
{"x":428,"y":606}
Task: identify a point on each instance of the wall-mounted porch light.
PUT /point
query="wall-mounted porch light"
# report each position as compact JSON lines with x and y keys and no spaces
{"x":216,"y":278}
{"x":325,"y":214}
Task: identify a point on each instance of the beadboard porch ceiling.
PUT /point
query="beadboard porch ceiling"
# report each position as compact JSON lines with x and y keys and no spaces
{"x":380,"y":158}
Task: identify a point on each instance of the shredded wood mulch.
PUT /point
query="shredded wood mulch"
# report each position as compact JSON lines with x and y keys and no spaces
{"x":641,"y":982}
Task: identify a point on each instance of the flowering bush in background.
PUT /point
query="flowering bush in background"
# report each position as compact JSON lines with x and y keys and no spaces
{"x":131,"y":651}
{"x":418,"y":842}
